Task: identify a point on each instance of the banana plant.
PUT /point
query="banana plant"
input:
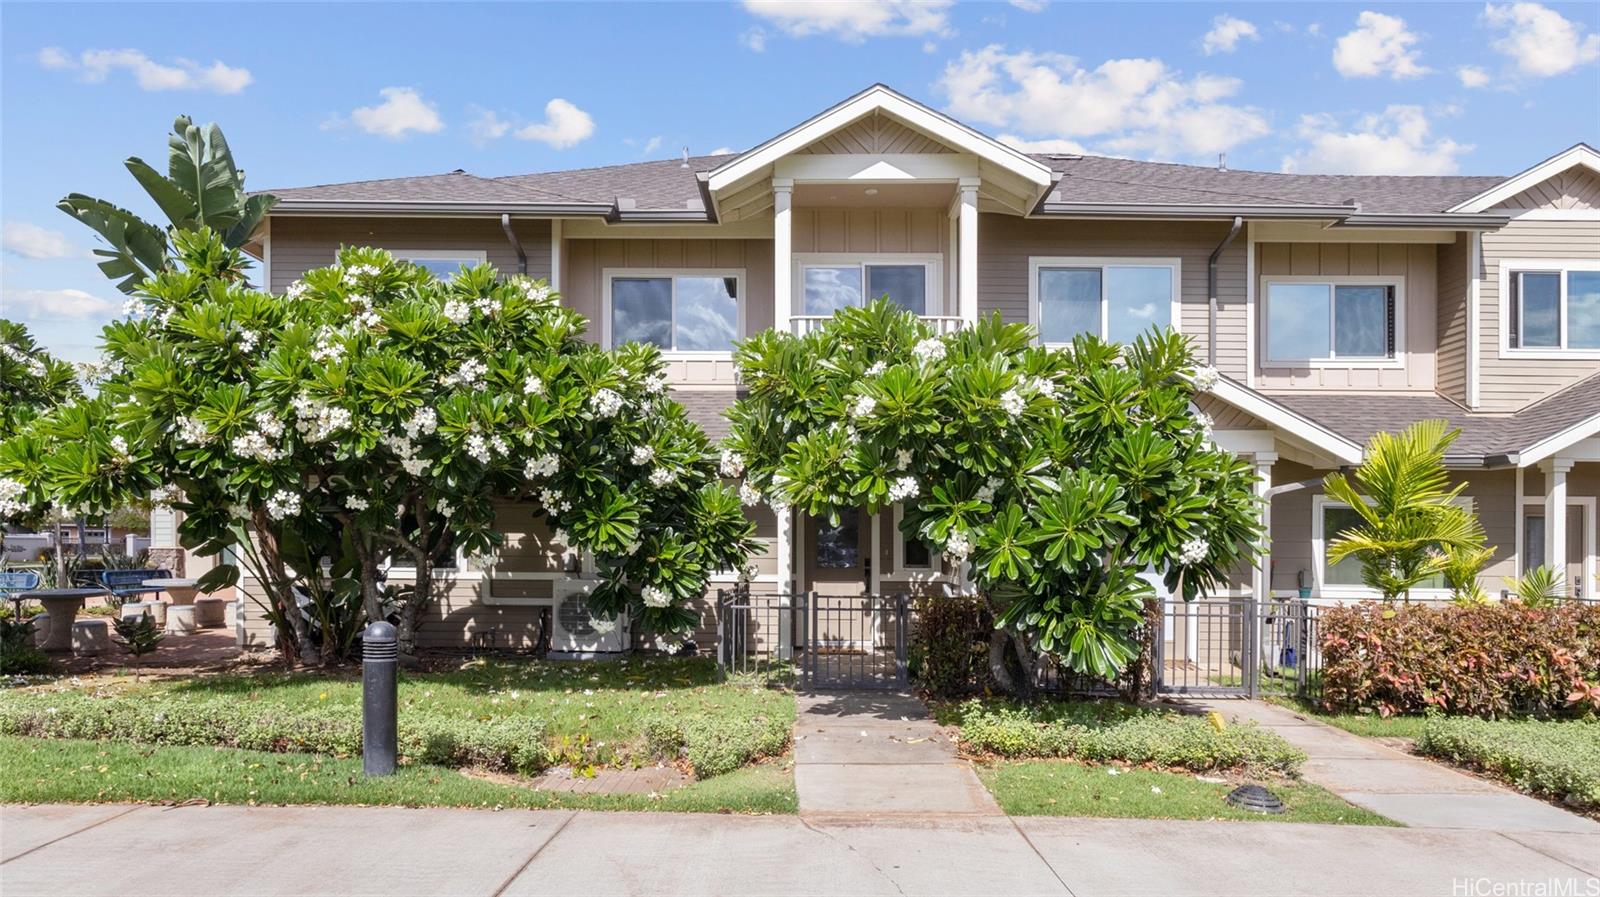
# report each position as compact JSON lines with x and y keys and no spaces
{"x":202,"y":188}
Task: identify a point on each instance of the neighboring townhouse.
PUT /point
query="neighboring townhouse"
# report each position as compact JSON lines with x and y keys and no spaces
{"x":1334,"y":306}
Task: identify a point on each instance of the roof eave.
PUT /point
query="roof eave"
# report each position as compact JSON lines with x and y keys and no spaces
{"x":442,"y":209}
{"x":660,"y":216}
{"x":1188,"y":211}
{"x":1458,"y":221}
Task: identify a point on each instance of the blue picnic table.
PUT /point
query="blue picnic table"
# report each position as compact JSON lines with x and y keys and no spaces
{"x":125,"y":584}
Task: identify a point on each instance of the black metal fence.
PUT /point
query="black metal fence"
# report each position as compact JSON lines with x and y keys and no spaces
{"x":1237,"y":647}
{"x":820,"y":641}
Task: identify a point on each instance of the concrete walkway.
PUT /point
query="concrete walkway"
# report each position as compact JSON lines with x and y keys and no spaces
{"x":313,"y":851}
{"x":879,"y":753}
{"x":1398,"y":785}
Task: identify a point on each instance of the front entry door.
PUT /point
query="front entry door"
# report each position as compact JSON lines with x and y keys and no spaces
{"x":1579,"y":545}
{"x":838,"y":556}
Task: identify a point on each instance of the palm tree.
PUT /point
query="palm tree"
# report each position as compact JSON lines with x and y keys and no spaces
{"x":1410,"y":520}
{"x":202,"y":188}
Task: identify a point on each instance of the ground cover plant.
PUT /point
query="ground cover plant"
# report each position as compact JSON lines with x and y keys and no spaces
{"x":79,"y":771}
{"x":514,"y":716}
{"x":1559,"y":760}
{"x":1107,"y":731}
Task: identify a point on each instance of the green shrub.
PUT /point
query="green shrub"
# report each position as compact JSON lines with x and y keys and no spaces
{"x":508,"y":743}
{"x":18,"y":655}
{"x":714,"y":745}
{"x":1495,"y":660}
{"x":949,"y":650}
{"x":1099,"y":732}
{"x":1557,"y":759}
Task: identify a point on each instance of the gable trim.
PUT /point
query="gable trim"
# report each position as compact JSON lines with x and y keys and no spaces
{"x":1259,"y":406}
{"x":881,"y":98}
{"x":1580,"y":154}
{"x":1558,"y":442}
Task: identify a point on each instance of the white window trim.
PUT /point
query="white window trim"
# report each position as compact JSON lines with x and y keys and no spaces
{"x":1037,"y":263}
{"x":408,"y":571}
{"x":1554,"y":266}
{"x":932,"y":261}
{"x":1319,"y":555}
{"x":609,"y":274}
{"x":899,"y":570}
{"x":1398,"y":282}
{"x":1591,"y":563}
{"x":413,"y":255}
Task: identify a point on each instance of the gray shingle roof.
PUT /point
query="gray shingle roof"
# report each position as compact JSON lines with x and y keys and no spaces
{"x":1099,"y":179}
{"x":454,"y":186}
{"x":705,"y":408}
{"x":650,"y":185}
{"x":1483,"y":436}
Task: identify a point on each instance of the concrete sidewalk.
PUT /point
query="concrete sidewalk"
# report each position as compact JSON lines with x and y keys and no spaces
{"x":1398,"y":785}
{"x":309,"y":851}
{"x":878,"y":753}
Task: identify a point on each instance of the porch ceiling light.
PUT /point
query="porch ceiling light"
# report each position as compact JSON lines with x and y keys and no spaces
{"x":872,"y":191}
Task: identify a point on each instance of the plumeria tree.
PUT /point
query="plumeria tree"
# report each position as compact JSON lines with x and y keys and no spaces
{"x":374,"y":412}
{"x":32,"y":382}
{"x":1056,"y":475}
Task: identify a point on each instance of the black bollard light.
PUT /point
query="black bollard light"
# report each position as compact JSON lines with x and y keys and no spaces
{"x":380,"y":662}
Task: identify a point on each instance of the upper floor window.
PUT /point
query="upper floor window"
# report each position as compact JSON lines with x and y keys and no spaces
{"x":1552,"y":306}
{"x":828,"y":285}
{"x":442,"y":263}
{"x":676,"y":311}
{"x":1332,"y":320}
{"x":1116,"y":299}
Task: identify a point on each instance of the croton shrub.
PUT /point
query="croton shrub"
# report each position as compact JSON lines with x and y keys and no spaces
{"x":1493,"y":660}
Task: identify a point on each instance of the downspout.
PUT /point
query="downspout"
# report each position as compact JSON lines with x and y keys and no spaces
{"x":1211,"y":289}
{"x":511,"y":236}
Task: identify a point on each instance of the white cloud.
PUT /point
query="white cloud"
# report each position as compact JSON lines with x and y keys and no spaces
{"x":1126,"y":106}
{"x":1472,"y":76}
{"x":30,"y":241}
{"x":69,"y":303}
{"x":722,"y":151}
{"x":565,"y":125}
{"x":1047,"y":145}
{"x":1380,"y":45}
{"x":854,"y":21}
{"x":95,"y":66}
{"x":1225,"y":34}
{"x":1540,"y":40}
{"x":1030,"y":5}
{"x":1398,"y":140}
{"x":402,"y":111}
{"x":754,"y":40}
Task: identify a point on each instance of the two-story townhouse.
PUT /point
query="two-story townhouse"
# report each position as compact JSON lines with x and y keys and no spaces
{"x":1334,"y":306}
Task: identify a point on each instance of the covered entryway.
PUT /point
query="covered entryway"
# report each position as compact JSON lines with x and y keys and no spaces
{"x":854,"y":638}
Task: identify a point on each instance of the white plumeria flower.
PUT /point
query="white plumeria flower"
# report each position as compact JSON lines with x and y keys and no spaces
{"x":533,"y":386}
{"x":732,"y":463}
{"x":478,"y":448}
{"x":655,"y":384}
{"x":247,"y":341}
{"x":662,"y":476}
{"x":877,"y":368}
{"x":545,"y":465}
{"x":863,"y":407}
{"x":605,"y":402}
{"x":929,"y":350}
{"x":296,"y":290}
{"x":470,"y":373}
{"x":161,"y":496}
{"x":11,"y":501}
{"x":414,"y":466}
{"x":1206,"y":377}
{"x":423,"y":422}
{"x":958,"y":546}
{"x":283,"y":504}
{"x":904,"y":488}
{"x":457,"y":311}
{"x":902,"y":459}
{"x":655,"y":597}
{"x":1193,"y":552}
{"x":1013,"y":403}
{"x":551,"y":498}
{"x":193,"y":430}
{"x":356,"y":503}
{"x":444,"y":507}
{"x":643,"y":454}
{"x":749,"y":495}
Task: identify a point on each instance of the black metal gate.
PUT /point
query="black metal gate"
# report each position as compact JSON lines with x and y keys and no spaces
{"x":1237,"y":647}
{"x":855,"y":642}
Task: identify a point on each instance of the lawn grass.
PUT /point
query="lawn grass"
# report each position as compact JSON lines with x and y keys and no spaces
{"x":1369,"y":725}
{"x":1064,"y":788}
{"x":74,"y":771}
{"x":594,"y":711}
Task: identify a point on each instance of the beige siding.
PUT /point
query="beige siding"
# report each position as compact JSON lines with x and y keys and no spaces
{"x":871,"y":230}
{"x":1005,"y":243}
{"x":1575,"y":188}
{"x":1416,"y":262}
{"x":876,"y":133}
{"x":1451,"y":316}
{"x":1510,"y":383}
{"x":300,"y":244}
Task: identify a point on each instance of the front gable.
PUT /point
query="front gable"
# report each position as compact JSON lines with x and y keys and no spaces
{"x":1564,"y":183}
{"x":875,"y":133}
{"x":1576,"y":188}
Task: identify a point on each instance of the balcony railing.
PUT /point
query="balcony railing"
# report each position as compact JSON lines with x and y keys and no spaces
{"x":804,"y":324}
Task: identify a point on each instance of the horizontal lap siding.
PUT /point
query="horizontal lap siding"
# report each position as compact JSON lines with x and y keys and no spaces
{"x":301,"y":244}
{"x":1451,"y":317}
{"x":1005,"y":243}
{"x":1511,"y":383}
{"x":1417,"y":263}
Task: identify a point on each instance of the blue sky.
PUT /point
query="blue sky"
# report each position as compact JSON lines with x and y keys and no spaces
{"x":318,"y":93}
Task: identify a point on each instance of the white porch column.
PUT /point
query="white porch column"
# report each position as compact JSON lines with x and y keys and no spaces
{"x":1555,"y":514}
{"x":555,"y":254}
{"x":785,"y":549}
{"x":967,"y":253}
{"x":1261,"y":575}
{"x":782,"y":254}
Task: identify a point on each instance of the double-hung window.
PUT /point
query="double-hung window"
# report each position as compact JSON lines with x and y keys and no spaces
{"x":1330,"y":520}
{"x":1552,"y":306}
{"x":1332,"y":320}
{"x":1113,"y":298}
{"x":441,"y":263}
{"x":828,"y":284}
{"x":911,"y":555}
{"x":676,"y":311}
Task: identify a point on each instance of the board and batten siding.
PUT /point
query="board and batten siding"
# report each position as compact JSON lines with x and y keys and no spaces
{"x":1006,"y":242}
{"x":1416,"y":262}
{"x":1509,"y":383}
{"x":1452,"y":304}
{"x":298,"y":245}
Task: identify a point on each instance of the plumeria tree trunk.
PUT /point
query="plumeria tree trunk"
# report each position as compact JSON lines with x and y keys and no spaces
{"x":294,"y":636}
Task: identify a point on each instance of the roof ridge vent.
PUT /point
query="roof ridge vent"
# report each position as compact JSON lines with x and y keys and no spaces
{"x":1222,"y":161}
{"x":685,"y":158}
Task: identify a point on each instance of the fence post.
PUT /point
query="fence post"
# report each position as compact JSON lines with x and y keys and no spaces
{"x":722,"y":642}
{"x":1252,"y":644}
{"x":901,"y":673}
{"x":1157,"y":650}
{"x":785,"y":623}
